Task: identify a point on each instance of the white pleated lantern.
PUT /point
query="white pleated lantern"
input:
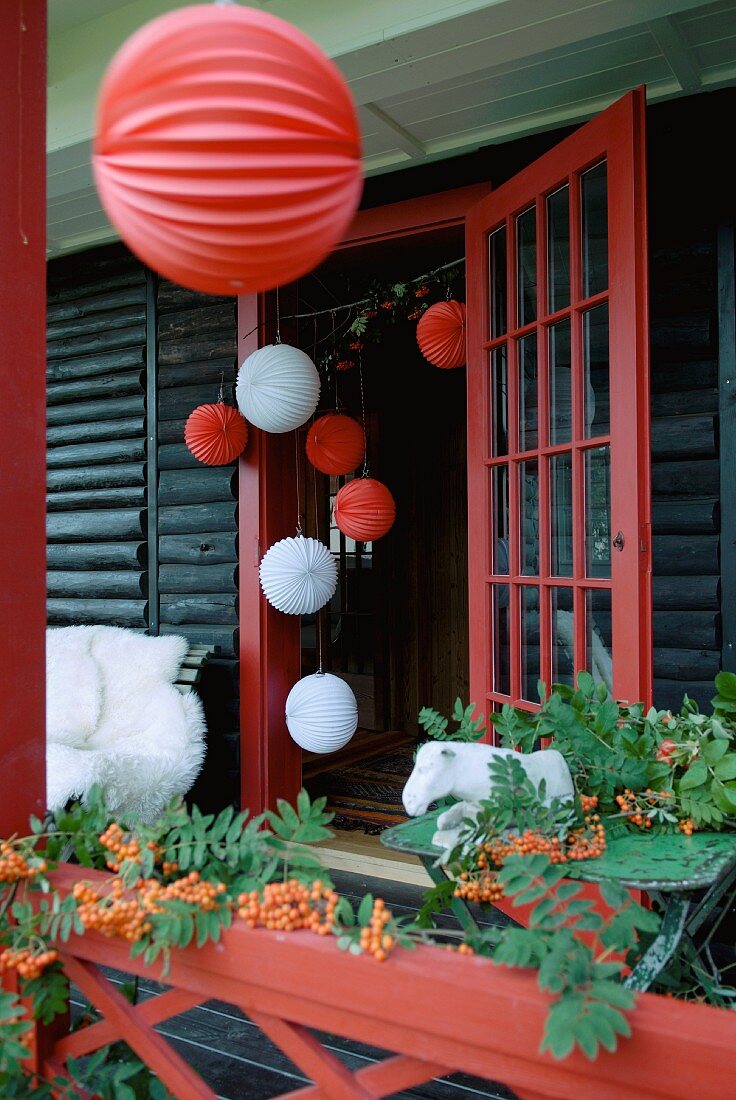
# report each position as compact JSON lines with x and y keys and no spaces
{"x":277,"y":388}
{"x":321,"y":712}
{"x":298,"y":576}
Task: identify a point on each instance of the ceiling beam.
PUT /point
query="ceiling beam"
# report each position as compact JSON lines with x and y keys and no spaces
{"x":677,"y":53}
{"x":400,"y":136}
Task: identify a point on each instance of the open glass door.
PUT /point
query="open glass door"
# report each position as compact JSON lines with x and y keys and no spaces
{"x":558,"y":420}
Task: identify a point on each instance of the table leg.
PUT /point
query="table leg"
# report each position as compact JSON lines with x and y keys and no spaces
{"x":664,"y":945}
{"x":457,"y":905}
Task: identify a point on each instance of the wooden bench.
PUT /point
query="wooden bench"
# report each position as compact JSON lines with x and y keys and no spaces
{"x":190,"y":672}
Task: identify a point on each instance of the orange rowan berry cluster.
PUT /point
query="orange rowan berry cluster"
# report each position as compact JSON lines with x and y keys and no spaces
{"x":28,"y":964}
{"x":483,"y":887}
{"x":191,"y":889}
{"x":113,"y":914}
{"x":589,"y":802}
{"x":587,"y":842}
{"x":289,"y":906}
{"x":373,"y":938}
{"x":14,"y":866}
{"x":687,"y":826}
{"x":121,"y":845}
{"x":128,"y":917}
{"x":637,"y":807}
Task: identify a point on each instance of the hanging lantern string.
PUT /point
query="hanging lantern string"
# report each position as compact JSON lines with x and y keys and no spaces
{"x":278,"y":318}
{"x":221,"y":394}
{"x":316,"y":535}
{"x":362,"y":411}
{"x":298,"y":493}
{"x":352,"y":305}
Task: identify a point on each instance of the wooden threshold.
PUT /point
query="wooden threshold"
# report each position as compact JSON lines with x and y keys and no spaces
{"x":360,"y":854}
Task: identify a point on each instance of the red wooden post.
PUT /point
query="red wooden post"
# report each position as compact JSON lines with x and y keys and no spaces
{"x":270,"y":654}
{"x":22,"y":475}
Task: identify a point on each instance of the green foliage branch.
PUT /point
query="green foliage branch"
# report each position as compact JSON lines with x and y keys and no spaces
{"x":687,"y":760}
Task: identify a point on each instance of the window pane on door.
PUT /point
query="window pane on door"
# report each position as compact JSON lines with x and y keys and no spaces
{"x":598,"y":635}
{"x":563,"y":636}
{"x":500,"y":638}
{"x":598,"y":512}
{"x":528,"y":396}
{"x":560,"y":513}
{"x":560,"y":383}
{"x":497,"y":281}
{"x":596,"y":387}
{"x":594,"y":202}
{"x":530,"y":668}
{"x":500,"y":520}
{"x":558,"y":249}
{"x":529,"y":518}
{"x":499,"y":403}
{"x":526,"y":266}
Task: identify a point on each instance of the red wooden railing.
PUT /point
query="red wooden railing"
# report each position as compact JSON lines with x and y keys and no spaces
{"x":437,"y":1012}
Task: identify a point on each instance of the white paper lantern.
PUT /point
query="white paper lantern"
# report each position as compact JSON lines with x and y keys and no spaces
{"x":298,"y":576}
{"x":277,"y":388}
{"x":321,"y":712}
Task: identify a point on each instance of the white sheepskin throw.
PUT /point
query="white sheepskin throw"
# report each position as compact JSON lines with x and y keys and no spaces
{"x":73,"y":685}
{"x":147,"y":741}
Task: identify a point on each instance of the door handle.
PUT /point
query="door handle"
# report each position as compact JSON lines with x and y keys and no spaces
{"x":618,"y":542}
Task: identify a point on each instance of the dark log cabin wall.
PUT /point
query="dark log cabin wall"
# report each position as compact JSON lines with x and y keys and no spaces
{"x":688,"y":199}
{"x":111,"y":332}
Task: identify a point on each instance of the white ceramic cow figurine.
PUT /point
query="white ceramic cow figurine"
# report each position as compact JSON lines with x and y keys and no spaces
{"x":460,"y":770}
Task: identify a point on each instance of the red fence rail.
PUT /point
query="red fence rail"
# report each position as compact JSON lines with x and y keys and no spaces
{"x":436,"y":1012}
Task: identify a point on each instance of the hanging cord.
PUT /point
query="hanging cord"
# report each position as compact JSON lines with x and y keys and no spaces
{"x":352,"y":305}
{"x":221,"y":393}
{"x":298,"y":493}
{"x":362,"y":412}
{"x":318,"y":618}
{"x":278,"y":318}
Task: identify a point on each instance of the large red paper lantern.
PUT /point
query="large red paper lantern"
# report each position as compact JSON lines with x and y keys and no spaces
{"x":215,"y":434}
{"x":335,"y":444}
{"x":227,"y":152}
{"x":441,"y":334}
{"x":364,"y":509}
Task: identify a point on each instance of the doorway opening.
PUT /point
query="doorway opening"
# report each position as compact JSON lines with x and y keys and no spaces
{"x":396,"y":629}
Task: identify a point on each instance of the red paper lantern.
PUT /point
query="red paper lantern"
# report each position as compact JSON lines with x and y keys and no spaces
{"x":441,"y":334}
{"x":364,"y":509}
{"x":335,"y":444}
{"x":215,"y":434}
{"x":227,"y":152}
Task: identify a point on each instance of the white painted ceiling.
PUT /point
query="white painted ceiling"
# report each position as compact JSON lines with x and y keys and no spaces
{"x":432,"y":78}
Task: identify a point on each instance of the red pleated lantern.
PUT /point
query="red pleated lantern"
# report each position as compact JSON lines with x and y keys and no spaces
{"x":364,"y":509}
{"x":441,"y":334}
{"x":335,"y":444}
{"x":215,"y":434}
{"x":227,"y":152}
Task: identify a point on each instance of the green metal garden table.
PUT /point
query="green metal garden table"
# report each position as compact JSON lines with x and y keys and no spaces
{"x":672,"y":870}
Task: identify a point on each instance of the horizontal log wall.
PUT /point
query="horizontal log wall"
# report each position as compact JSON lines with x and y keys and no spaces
{"x":197,"y":544}
{"x":685,"y":469}
{"x":100,"y":475}
{"x":97,"y":561}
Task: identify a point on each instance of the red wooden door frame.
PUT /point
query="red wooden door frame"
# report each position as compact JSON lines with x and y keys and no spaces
{"x":23,"y":472}
{"x":618,"y":135}
{"x":269,"y":647}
